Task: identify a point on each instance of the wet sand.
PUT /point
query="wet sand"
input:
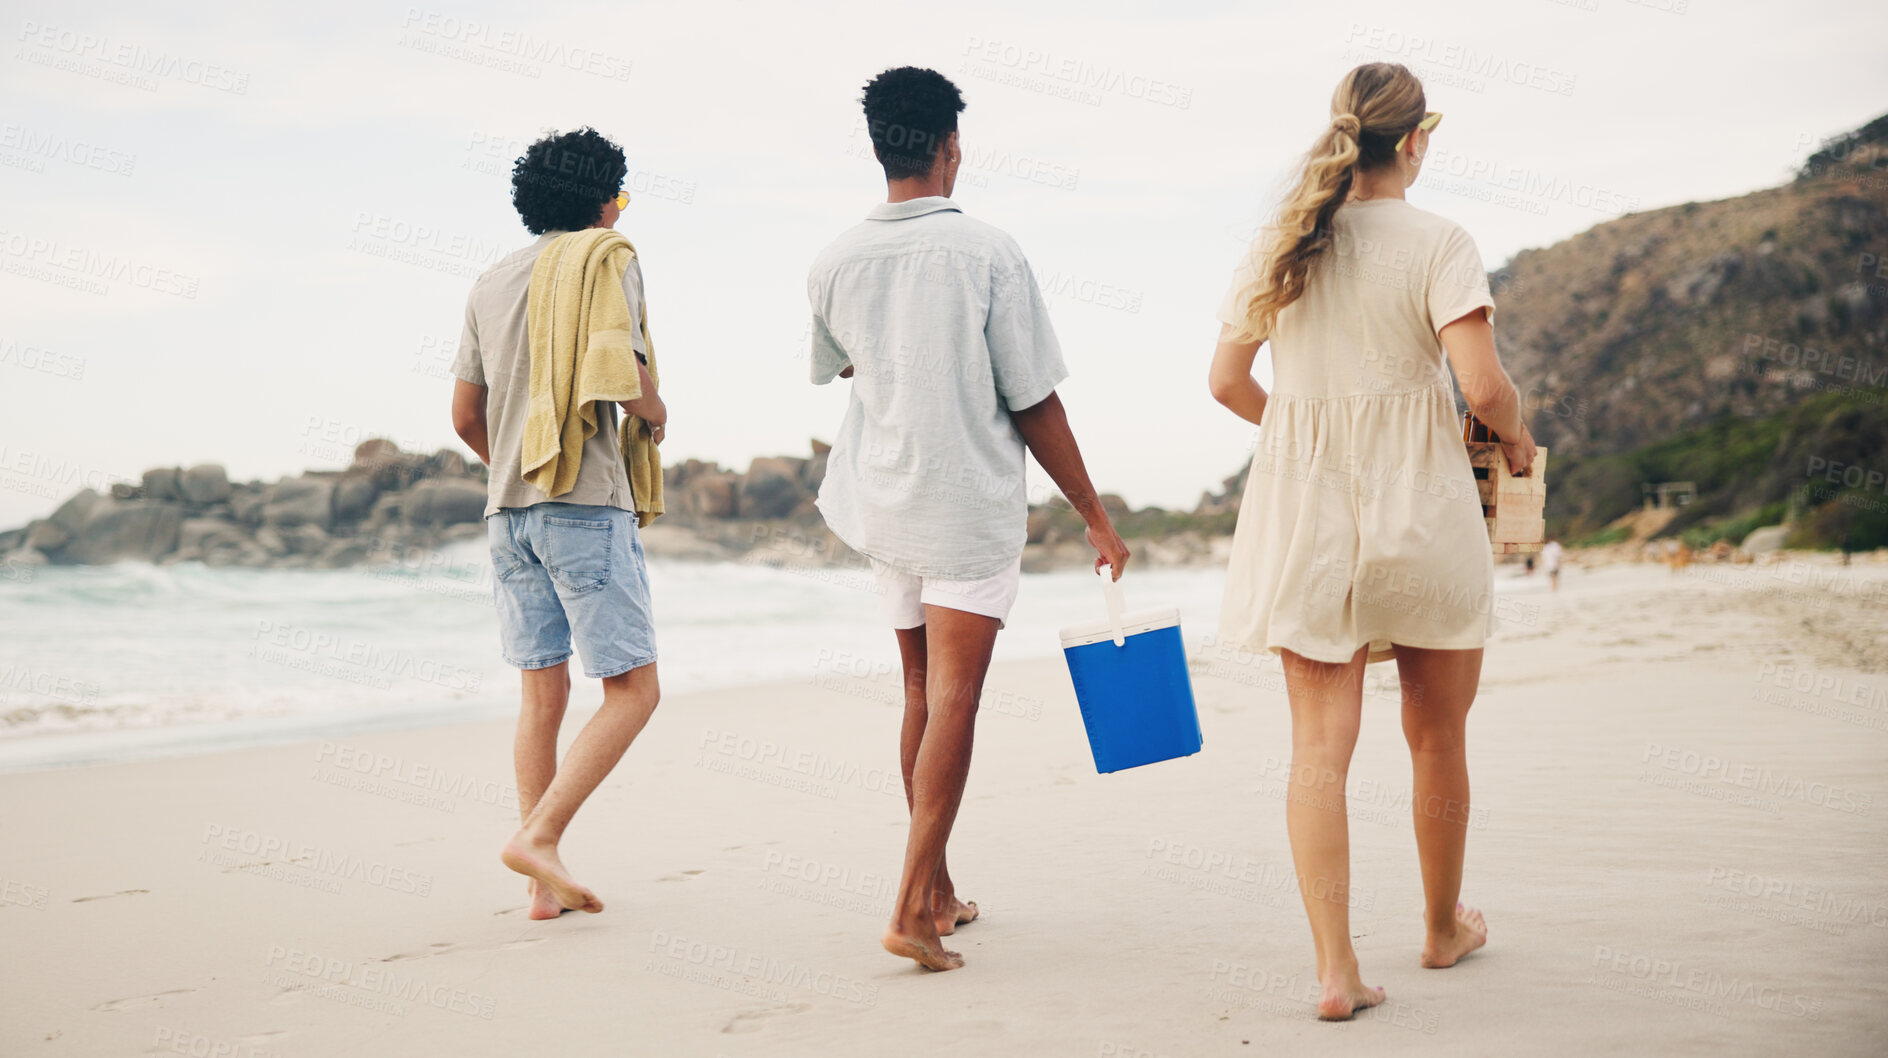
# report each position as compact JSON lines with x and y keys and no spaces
{"x":1679,"y":836}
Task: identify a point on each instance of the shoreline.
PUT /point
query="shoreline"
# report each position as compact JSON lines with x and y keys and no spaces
{"x":1798,"y":579}
{"x":303,"y":897}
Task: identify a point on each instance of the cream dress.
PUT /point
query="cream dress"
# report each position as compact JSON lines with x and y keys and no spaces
{"x":1361,"y":524}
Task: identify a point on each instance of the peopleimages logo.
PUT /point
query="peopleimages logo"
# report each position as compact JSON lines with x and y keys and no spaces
{"x":1710,"y":768}
{"x":1649,"y":970}
{"x":1420,"y":50}
{"x":512,"y":44}
{"x":131,"y":59}
{"x":1073,"y":73}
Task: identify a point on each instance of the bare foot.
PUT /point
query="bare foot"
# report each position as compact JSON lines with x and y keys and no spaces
{"x":1343,"y":995}
{"x":543,"y":905}
{"x":1471,"y":932}
{"x":539,"y":861}
{"x":960,"y":914}
{"x":929,"y":952}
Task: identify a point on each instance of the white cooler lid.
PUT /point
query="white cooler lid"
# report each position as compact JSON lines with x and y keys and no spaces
{"x":1139,"y":621}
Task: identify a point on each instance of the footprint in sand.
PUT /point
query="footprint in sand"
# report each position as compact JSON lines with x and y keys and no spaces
{"x":751,"y":1020}
{"x":140,"y":1001}
{"x":439,"y":947}
{"x":444,"y":946}
{"x":108,"y":896}
{"x":523,"y":942}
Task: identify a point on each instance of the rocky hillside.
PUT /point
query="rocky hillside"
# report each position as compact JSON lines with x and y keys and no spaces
{"x":1648,"y":325}
{"x":1741,"y":345}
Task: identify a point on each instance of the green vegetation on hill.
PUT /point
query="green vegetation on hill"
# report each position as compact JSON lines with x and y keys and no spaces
{"x":1825,"y":458}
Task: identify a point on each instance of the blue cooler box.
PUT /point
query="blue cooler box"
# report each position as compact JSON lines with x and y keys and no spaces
{"x":1131,"y":682}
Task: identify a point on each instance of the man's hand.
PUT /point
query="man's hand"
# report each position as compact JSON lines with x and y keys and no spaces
{"x":656,"y":433}
{"x":1045,"y":429}
{"x":1109,"y":549}
{"x":648,"y":407}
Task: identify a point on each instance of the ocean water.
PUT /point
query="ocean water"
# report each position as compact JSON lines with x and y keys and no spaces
{"x":113,"y":662}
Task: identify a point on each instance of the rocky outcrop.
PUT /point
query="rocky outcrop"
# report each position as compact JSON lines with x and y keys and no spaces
{"x":204,"y":485}
{"x":116,"y":530}
{"x":388,"y":504}
{"x":385,"y":503}
{"x":773,"y":487}
{"x":299,"y":501}
{"x":444,"y":502}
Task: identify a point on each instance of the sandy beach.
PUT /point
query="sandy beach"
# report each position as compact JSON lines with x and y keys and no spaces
{"x":1678,"y":836}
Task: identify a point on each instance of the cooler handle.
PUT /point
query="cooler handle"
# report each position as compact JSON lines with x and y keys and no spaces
{"x":1112,"y":591}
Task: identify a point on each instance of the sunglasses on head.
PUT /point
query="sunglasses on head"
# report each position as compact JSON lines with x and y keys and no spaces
{"x":622,"y":200}
{"x":1428,"y":123}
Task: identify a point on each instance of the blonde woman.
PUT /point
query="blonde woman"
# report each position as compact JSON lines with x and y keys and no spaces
{"x":1360,"y":535}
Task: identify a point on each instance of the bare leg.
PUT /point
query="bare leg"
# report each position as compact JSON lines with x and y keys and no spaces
{"x":534,"y":754}
{"x":946,"y":909}
{"x":957,"y":656}
{"x":1438,"y":687}
{"x":1326,"y":711}
{"x":628,"y":701}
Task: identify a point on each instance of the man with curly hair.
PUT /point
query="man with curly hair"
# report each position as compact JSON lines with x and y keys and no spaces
{"x":937,"y":320}
{"x":570,"y":567}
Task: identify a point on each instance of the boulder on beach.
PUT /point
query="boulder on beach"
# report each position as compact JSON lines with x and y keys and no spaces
{"x":299,"y":501}
{"x":161,"y":483}
{"x":204,"y":485}
{"x":703,"y":490}
{"x":772,"y":487}
{"x":71,"y":514}
{"x":444,"y":502}
{"x":46,"y":535}
{"x":116,"y":530}
{"x":354,"y":495}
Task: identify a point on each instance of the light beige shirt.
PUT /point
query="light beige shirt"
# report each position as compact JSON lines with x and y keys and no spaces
{"x":1367,"y":323}
{"x":495,"y":352}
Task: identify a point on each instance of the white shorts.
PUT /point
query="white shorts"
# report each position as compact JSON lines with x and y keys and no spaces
{"x":907,"y":594}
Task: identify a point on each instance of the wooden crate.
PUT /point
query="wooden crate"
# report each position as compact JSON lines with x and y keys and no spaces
{"x":1513,"y":507}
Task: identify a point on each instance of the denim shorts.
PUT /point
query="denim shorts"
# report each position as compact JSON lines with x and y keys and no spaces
{"x":571,"y":571}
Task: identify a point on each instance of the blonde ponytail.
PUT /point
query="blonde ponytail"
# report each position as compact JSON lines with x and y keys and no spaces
{"x":1374,"y":105}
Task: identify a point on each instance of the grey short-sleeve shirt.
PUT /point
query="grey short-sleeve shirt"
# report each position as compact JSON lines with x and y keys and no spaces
{"x":495,"y":352}
{"x":941,"y":320}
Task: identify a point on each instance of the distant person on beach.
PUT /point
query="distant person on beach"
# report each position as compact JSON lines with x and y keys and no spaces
{"x":1360,"y":536}
{"x":1550,"y":560}
{"x":567,"y":567}
{"x":937,"y":320}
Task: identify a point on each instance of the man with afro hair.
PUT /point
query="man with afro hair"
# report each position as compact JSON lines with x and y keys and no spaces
{"x":568,"y":569}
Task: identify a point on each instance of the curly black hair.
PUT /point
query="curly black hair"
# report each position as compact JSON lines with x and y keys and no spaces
{"x":563,"y":180}
{"x":909,"y":112}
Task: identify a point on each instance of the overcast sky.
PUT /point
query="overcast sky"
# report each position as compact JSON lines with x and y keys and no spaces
{"x":245,"y":235}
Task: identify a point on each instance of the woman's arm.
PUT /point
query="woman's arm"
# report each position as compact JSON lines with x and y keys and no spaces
{"x":1490,"y":393}
{"x":1230,"y":377}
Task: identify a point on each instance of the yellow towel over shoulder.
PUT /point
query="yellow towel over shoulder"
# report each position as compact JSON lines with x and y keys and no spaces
{"x":581,"y":353}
